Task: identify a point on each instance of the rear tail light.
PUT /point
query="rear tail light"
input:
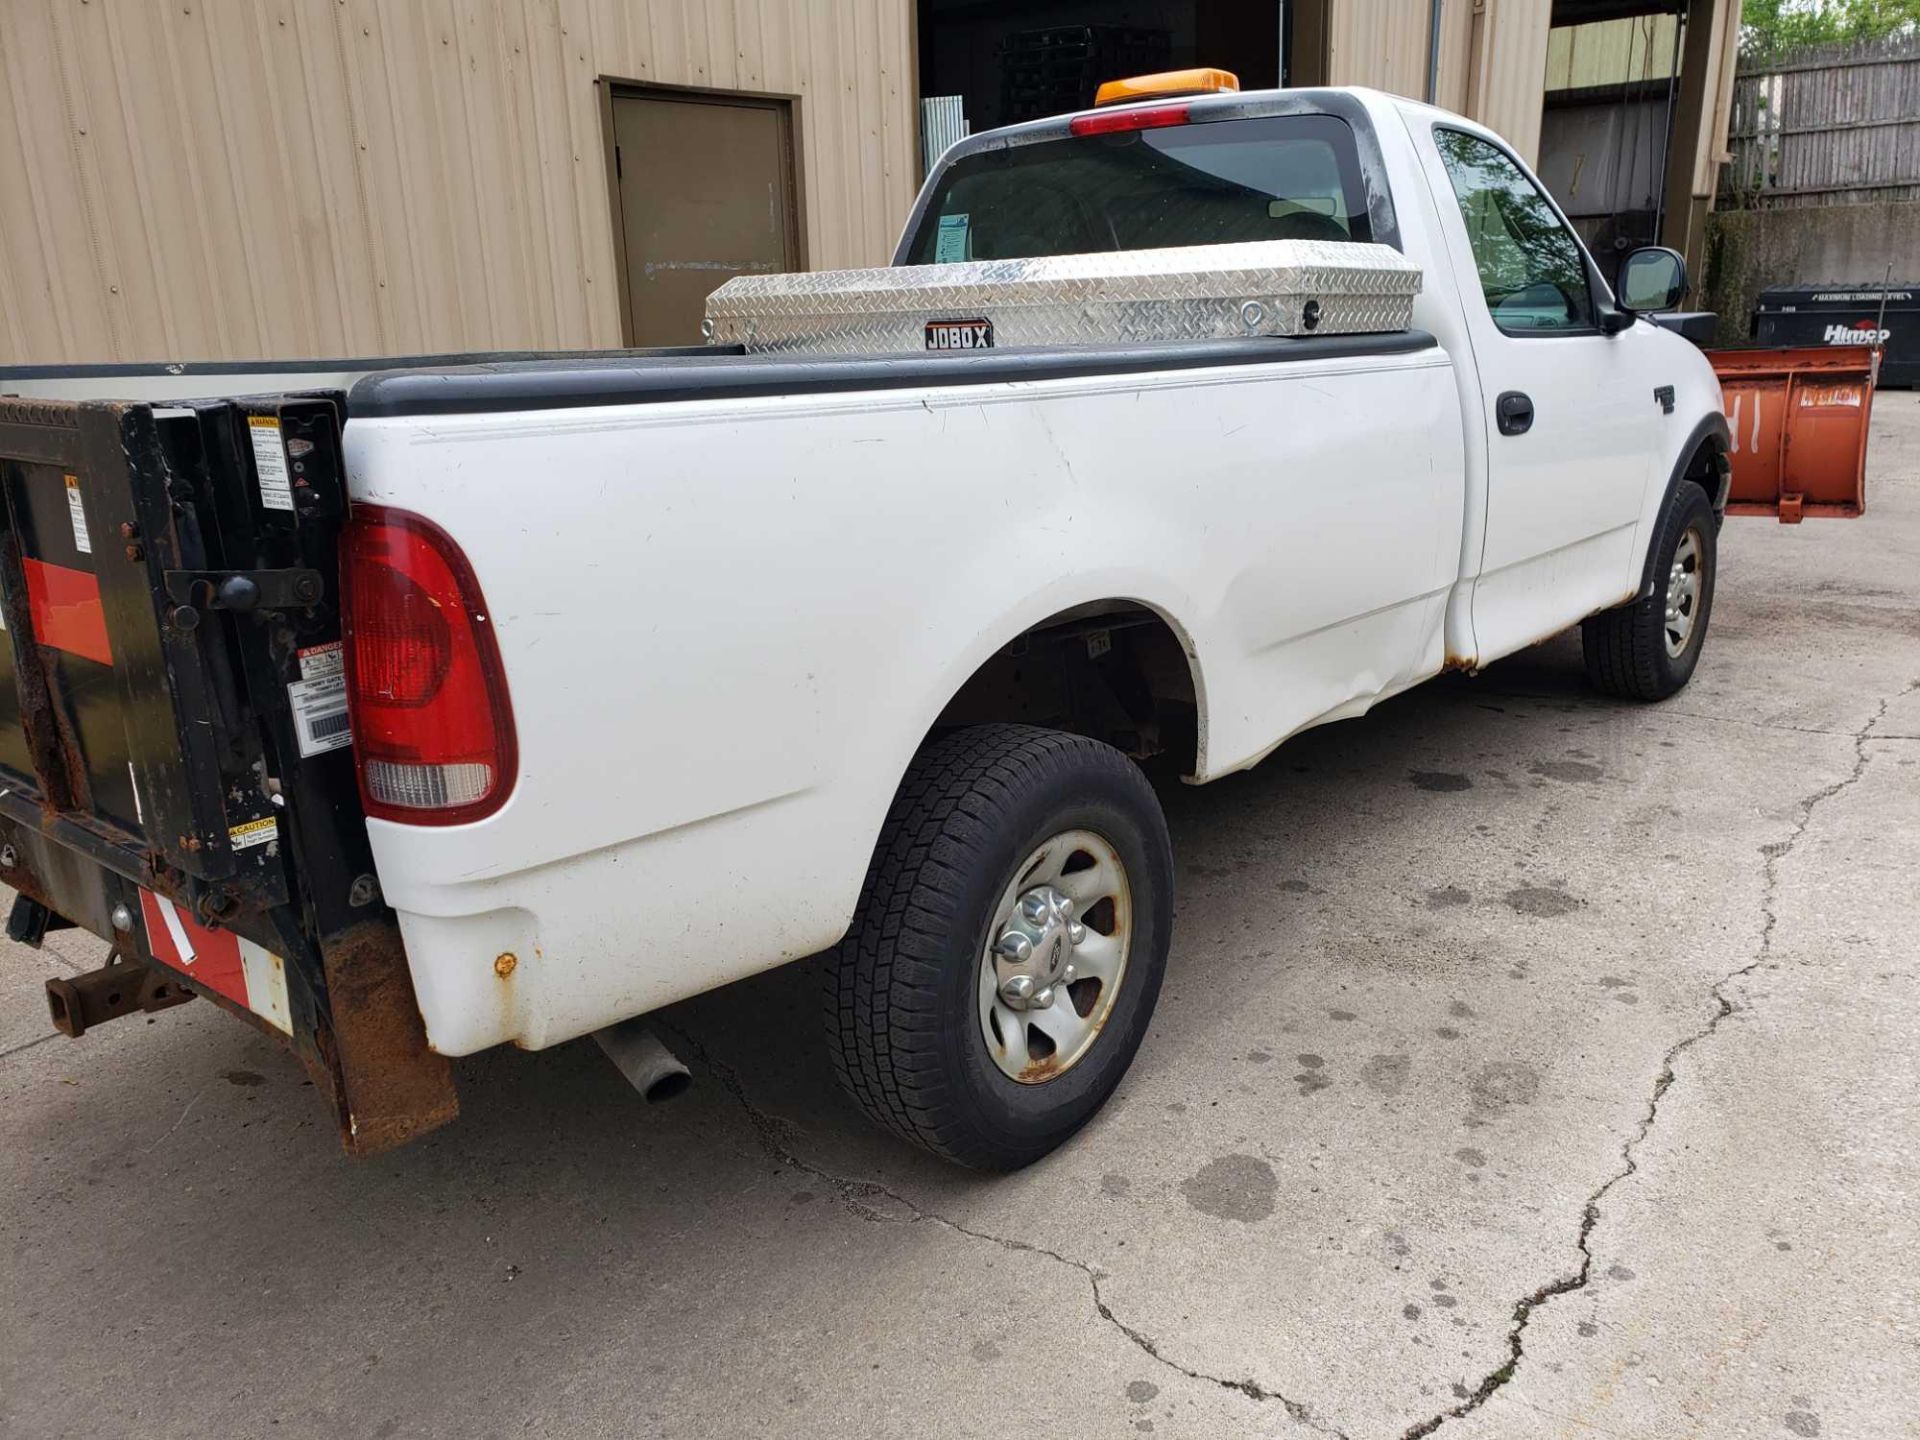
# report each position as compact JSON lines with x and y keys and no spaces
{"x":432,"y":727}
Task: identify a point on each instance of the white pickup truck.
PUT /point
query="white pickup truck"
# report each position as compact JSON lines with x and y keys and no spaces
{"x":667,"y":668}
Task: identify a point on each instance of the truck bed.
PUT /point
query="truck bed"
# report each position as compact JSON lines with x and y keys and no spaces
{"x":732,"y":595}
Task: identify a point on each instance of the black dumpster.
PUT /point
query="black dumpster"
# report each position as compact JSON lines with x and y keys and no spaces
{"x":1847,"y":314}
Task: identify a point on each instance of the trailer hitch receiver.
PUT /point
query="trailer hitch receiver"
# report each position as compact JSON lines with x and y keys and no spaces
{"x":120,"y":987}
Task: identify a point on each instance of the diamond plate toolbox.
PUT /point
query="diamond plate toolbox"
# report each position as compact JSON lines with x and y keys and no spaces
{"x":1201,"y":292}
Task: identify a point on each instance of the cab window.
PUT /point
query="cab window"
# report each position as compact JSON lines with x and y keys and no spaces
{"x":1531,"y":268}
{"x":1273,"y":177}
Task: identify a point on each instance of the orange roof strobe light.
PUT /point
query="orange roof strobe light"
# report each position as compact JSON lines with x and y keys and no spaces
{"x":1203,"y":80}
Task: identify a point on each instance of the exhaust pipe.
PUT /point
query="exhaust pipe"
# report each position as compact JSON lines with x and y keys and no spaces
{"x":650,"y":1067}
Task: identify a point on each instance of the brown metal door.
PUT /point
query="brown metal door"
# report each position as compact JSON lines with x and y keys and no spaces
{"x":706,"y":193}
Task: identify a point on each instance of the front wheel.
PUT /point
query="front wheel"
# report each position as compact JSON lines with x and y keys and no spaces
{"x":1647,"y":650}
{"x":1008,"y":946}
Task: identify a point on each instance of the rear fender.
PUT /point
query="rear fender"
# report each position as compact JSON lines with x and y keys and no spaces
{"x":1088,"y":593}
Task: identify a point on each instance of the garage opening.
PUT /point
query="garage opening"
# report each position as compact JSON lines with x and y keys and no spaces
{"x":985,"y":63}
{"x":1612,"y":85}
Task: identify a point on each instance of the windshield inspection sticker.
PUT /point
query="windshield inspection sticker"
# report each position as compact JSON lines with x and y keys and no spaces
{"x":270,"y":462}
{"x":319,"y":700}
{"x":76,"y":512}
{"x":950,"y":242}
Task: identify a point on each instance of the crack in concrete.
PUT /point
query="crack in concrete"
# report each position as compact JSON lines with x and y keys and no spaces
{"x":1668,"y":712}
{"x":29,"y":1044}
{"x":776,"y":1138}
{"x":1772,"y":855}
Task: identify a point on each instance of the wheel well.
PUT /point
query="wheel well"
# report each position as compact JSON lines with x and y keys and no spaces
{"x":1114,"y":670}
{"x":1707,"y":468}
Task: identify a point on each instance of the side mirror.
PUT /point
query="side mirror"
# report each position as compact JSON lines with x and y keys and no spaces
{"x":1652,"y":278}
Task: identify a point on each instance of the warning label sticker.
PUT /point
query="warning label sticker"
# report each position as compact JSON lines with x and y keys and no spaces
{"x":270,"y":462}
{"x":253,"y":832}
{"x":319,"y":700}
{"x":77,"y":513}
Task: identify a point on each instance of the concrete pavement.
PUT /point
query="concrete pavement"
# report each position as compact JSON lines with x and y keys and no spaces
{"x":1529,"y":1064}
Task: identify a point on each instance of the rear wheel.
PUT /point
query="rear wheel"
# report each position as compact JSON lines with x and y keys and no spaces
{"x":1647,"y":650}
{"x":1008,"y":947}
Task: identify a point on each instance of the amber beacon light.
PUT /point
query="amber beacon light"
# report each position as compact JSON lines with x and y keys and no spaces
{"x":1204,"y":80}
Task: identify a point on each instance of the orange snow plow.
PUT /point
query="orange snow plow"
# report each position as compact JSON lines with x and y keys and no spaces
{"x":1798,"y":422}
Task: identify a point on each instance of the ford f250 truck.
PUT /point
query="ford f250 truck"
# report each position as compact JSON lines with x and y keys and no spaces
{"x":505,"y":702}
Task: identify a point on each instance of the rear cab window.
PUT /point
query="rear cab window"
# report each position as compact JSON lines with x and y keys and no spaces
{"x":1271,"y":177}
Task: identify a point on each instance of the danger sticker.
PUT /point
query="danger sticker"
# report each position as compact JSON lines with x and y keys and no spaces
{"x":270,"y":462}
{"x":77,"y":513}
{"x":253,"y":832}
{"x":319,"y":700}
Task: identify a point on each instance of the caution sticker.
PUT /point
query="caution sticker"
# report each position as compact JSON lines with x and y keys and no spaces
{"x":270,"y":462}
{"x":253,"y":832}
{"x":319,"y":700}
{"x":77,"y":513}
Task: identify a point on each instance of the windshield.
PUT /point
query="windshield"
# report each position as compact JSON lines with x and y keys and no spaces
{"x":1274,"y":177}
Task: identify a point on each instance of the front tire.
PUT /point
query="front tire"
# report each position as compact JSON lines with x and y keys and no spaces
{"x":1647,"y":650}
{"x":1008,"y":946}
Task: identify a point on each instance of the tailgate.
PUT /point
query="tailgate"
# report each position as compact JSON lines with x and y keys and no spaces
{"x":175,"y":764}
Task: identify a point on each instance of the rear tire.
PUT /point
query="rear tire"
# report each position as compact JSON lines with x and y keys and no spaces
{"x":992,"y":817}
{"x":1647,"y":650}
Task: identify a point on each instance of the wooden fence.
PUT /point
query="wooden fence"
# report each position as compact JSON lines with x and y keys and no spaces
{"x":1830,"y":125}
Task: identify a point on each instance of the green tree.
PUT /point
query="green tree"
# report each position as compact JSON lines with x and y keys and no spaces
{"x":1770,"y":26}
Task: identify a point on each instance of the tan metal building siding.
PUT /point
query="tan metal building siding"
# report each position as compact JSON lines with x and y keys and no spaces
{"x":1499,"y":57}
{"x":1710,"y":149}
{"x":1493,"y":57}
{"x":1642,"y":47}
{"x":1507,"y":68}
{"x":1381,"y":43}
{"x":234,"y":179}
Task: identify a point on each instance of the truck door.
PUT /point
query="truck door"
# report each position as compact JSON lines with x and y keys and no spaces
{"x":1569,"y":410}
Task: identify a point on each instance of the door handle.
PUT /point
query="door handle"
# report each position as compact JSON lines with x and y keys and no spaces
{"x":1513,"y":412}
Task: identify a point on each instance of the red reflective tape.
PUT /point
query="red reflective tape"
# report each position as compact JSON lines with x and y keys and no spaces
{"x":211,"y":957}
{"x":66,"y":610}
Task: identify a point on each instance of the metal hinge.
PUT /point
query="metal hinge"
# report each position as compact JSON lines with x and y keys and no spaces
{"x":243,"y":590}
